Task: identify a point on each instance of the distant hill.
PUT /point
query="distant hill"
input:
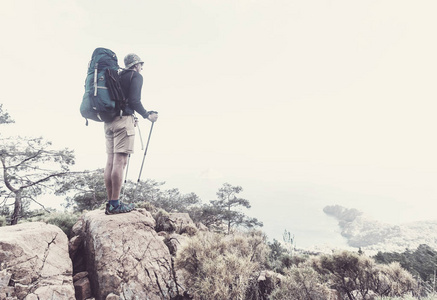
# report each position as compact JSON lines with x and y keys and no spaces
{"x":372,"y":236}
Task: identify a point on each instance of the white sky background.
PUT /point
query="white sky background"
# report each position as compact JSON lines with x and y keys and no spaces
{"x":303,"y":103}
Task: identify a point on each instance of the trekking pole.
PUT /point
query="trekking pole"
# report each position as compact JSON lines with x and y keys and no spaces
{"x":142,"y":164}
{"x":141,"y":138}
{"x":145,"y":151}
{"x":139,"y":132}
{"x":125,"y":176}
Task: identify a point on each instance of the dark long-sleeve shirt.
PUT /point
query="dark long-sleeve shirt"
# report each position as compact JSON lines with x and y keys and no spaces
{"x":131,"y":84}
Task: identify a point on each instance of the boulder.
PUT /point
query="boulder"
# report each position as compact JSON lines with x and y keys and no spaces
{"x":82,"y":289}
{"x":183,"y":223}
{"x":34,"y":262}
{"x":79,"y":276}
{"x":125,"y":257}
{"x":179,"y":223}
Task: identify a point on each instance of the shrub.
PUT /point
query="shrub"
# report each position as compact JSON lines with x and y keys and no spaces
{"x":429,"y":297}
{"x":147,"y":206}
{"x":2,"y":221}
{"x":395,"y":281}
{"x":357,"y":275}
{"x":63,"y":220}
{"x":301,"y":283}
{"x":420,"y":262}
{"x":189,"y":230}
{"x":221,"y":267}
{"x":163,"y":222}
{"x":347,"y":271}
{"x":280,"y":259}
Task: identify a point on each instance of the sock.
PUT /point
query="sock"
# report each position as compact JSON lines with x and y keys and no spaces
{"x":114,"y":203}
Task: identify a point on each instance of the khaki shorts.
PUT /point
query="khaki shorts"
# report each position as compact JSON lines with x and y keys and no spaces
{"x":120,"y":135}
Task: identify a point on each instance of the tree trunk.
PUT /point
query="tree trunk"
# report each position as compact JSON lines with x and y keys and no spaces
{"x":17,"y":208}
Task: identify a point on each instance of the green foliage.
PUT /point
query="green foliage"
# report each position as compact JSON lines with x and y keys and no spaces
{"x":225,"y":212}
{"x":147,"y":190}
{"x":163,"y":222}
{"x":2,"y":221}
{"x":279,"y":258}
{"x":289,"y":241}
{"x":282,"y":255}
{"x":147,"y":206}
{"x":189,"y":230}
{"x":208,"y":215}
{"x":431,"y":296}
{"x":421,"y":262}
{"x":5,"y":118}
{"x":30,"y":168}
{"x":395,"y":281}
{"x":173,"y":201}
{"x":276,"y":250}
{"x":352,"y":274}
{"x":85,"y":191}
{"x":301,"y":283}
{"x":221,"y":267}
{"x":63,"y":220}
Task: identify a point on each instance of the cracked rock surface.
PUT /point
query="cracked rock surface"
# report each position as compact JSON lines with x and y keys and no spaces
{"x":125,"y":256}
{"x":34,"y":257}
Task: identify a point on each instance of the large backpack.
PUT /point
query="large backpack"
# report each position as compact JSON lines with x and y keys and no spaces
{"x":103,"y":98}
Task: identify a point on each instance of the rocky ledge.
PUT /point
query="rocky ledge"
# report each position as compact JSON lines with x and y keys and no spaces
{"x":107,"y":257}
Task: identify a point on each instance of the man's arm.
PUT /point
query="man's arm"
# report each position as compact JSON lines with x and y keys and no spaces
{"x":135,"y":96}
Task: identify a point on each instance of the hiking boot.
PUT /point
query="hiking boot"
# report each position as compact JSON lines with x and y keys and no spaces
{"x":120,"y":209}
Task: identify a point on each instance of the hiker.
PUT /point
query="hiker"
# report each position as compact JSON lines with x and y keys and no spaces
{"x":120,"y":133}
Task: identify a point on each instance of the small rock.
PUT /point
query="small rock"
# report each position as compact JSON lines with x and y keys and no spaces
{"x":262,"y":276}
{"x":21,"y":290}
{"x":31,"y":297}
{"x":7,"y":292}
{"x":82,"y":288}
{"x":74,"y":244}
{"x":79,"y":276}
{"x":112,"y":297}
{"x":5,"y":276}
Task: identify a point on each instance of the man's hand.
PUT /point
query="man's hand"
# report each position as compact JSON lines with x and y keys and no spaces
{"x":152,"y":117}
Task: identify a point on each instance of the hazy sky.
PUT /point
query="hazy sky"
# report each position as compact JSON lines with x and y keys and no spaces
{"x":303,"y":103}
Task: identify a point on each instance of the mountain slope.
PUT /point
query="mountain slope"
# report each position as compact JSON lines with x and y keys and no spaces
{"x":372,"y":236}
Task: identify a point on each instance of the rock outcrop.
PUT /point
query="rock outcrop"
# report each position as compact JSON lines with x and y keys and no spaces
{"x":124,"y":256}
{"x":34,"y":263}
{"x":107,"y":257}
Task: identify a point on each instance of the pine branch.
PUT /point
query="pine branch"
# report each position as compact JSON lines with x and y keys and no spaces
{"x":25,"y":160}
{"x":45,"y":179}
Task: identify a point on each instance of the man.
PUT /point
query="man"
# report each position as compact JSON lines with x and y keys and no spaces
{"x":120,"y":133}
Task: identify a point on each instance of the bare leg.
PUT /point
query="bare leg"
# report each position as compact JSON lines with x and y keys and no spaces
{"x":118,"y":165}
{"x":107,"y":175}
